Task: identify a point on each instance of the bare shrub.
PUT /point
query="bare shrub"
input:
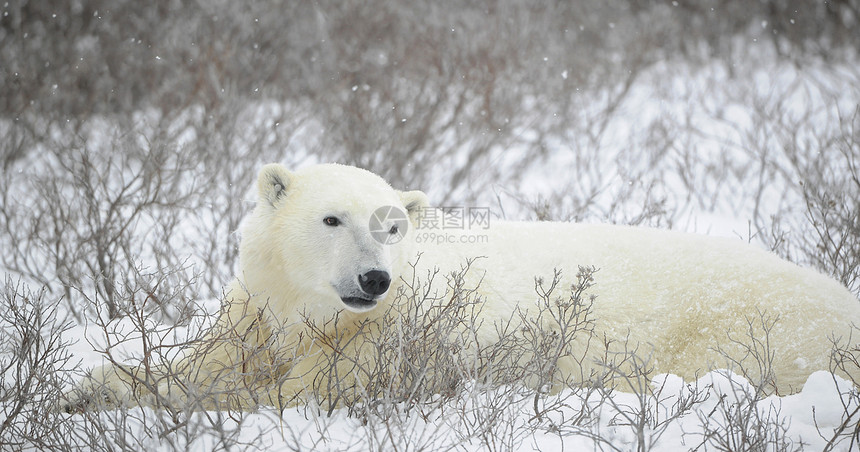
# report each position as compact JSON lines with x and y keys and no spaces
{"x":33,"y":364}
{"x":429,"y":345}
{"x":108,"y":197}
{"x":832,"y":196}
{"x":845,"y":360}
{"x":91,"y":209}
{"x":419,"y":358}
{"x":805,"y":179}
{"x":155,"y":364}
{"x":737,"y":422}
{"x":740,"y":419}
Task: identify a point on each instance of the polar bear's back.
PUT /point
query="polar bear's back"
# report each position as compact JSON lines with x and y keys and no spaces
{"x":685,"y":295}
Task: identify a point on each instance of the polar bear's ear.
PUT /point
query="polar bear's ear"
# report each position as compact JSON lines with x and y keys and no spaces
{"x":415,"y":202}
{"x":272,"y":183}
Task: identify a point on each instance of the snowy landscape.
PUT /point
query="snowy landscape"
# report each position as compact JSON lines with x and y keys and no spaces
{"x":131,"y":135}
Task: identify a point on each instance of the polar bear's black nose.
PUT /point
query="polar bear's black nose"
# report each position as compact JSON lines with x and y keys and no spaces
{"x":374,"y":282}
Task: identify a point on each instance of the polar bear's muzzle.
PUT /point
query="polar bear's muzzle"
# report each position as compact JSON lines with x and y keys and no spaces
{"x":373,"y":286}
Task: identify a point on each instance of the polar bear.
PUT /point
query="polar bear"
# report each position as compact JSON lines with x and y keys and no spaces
{"x":326,"y":242}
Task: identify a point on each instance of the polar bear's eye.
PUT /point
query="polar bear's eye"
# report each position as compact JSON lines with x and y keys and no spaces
{"x":393,"y":230}
{"x":331,"y":221}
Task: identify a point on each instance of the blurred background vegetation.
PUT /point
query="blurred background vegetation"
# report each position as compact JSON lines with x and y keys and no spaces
{"x":83,"y":57}
{"x":131,"y":131}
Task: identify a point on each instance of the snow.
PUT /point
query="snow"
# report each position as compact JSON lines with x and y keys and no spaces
{"x":670,"y":421}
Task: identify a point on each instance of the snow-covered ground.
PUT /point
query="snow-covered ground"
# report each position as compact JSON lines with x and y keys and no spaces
{"x":717,"y":412}
{"x":805,"y":420}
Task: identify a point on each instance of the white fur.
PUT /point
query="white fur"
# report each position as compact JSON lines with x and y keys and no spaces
{"x":681,"y":296}
{"x":678,"y":296}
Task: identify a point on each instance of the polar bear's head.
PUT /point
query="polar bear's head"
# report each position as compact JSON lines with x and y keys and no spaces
{"x":327,"y":237}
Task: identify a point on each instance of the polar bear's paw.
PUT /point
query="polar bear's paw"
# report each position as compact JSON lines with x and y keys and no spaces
{"x":104,"y":388}
{"x":80,"y":401}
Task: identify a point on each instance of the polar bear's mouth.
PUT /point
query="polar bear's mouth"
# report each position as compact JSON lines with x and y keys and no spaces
{"x":358,"y":303}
